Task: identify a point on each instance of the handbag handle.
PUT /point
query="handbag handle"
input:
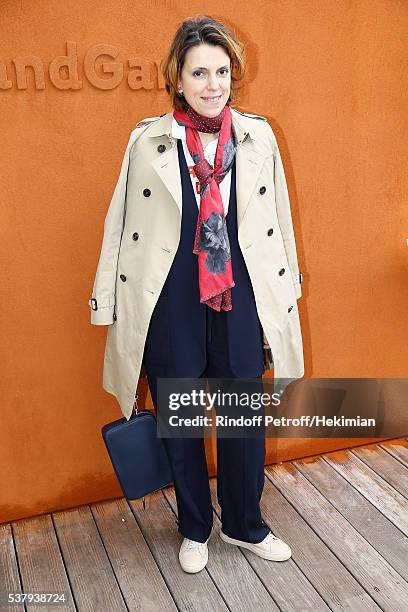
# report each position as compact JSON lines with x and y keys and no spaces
{"x":135,"y":411}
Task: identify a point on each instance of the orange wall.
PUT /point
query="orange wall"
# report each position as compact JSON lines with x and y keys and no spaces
{"x":328,"y":75}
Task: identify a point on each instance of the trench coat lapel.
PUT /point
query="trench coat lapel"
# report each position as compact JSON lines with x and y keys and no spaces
{"x":249,"y":160}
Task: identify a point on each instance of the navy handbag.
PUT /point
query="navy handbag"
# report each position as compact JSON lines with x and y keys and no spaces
{"x":138,"y":456}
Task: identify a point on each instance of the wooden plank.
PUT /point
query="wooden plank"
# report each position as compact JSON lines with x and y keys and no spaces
{"x":9,"y":576}
{"x":369,"y":522}
{"x":363,"y":562}
{"x":374,"y":488}
{"x":159,"y":528}
{"x":239,"y":585}
{"x":93,"y":583}
{"x":386,"y":466}
{"x":40,"y":561}
{"x":135,"y":568}
{"x":285,"y":582}
{"x":398,"y":449}
{"x":288,"y":449}
{"x":334,"y":583}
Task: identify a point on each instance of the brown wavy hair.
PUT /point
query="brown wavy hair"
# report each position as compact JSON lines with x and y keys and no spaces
{"x":195,"y":31}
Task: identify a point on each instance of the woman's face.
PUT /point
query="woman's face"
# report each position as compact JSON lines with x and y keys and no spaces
{"x":206,"y":74}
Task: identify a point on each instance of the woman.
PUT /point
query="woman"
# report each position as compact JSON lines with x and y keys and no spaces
{"x":198,"y":267}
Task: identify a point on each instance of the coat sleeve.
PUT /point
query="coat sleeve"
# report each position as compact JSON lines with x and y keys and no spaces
{"x":284,"y":214}
{"x":102,"y":302}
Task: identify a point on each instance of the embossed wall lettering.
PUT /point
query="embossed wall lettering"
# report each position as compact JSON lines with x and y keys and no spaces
{"x":99,"y":66}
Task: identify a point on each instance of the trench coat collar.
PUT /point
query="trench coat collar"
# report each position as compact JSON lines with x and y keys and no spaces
{"x":250,"y":156}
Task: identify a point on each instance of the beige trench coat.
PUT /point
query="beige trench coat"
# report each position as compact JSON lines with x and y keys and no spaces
{"x":141,"y":236}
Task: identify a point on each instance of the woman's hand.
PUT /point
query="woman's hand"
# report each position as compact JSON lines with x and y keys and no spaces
{"x":265,"y":342}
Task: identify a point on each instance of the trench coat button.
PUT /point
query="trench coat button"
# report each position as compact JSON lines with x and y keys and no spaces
{"x":270,"y":231}
{"x":262,"y":190}
{"x":161,"y":148}
{"x":135,"y":236}
{"x":281,"y":271}
{"x":114,"y":316}
{"x":146,"y":192}
{"x":290,"y":308}
{"x":122,"y":277}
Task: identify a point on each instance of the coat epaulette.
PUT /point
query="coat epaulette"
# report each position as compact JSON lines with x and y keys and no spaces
{"x":147,"y":120}
{"x":251,"y":115}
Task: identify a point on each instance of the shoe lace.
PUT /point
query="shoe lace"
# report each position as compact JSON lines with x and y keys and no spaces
{"x":270,"y":537}
{"x":194,"y":544}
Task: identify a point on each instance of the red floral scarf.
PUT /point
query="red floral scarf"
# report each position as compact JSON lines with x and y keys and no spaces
{"x":211,"y":242}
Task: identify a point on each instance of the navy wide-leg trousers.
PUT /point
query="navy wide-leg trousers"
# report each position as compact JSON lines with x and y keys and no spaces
{"x":240,"y":461}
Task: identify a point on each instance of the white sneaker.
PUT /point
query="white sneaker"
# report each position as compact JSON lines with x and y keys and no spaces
{"x":271,"y":547}
{"x":193,"y":556}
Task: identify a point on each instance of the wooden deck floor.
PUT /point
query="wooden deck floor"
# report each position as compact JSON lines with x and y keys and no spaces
{"x":344,"y":514}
